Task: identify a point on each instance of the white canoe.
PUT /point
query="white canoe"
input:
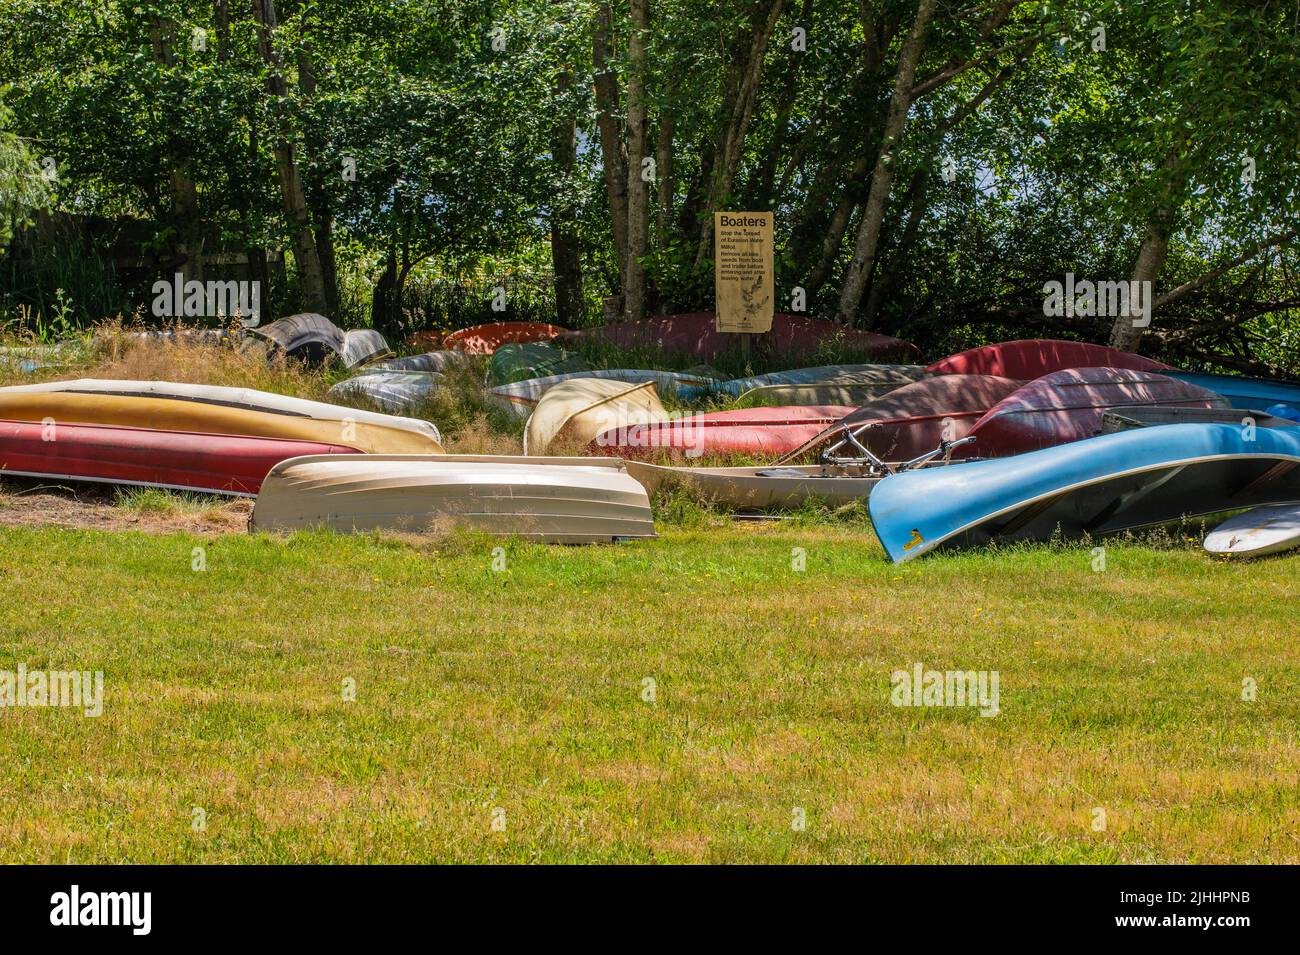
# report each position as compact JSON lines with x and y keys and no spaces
{"x":362,"y":346}
{"x":246,"y":398}
{"x":428,"y":361}
{"x":520,"y":397}
{"x":758,"y":488}
{"x":575,"y":411}
{"x":1265,"y":530}
{"x":556,"y":500}
{"x":394,"y":391}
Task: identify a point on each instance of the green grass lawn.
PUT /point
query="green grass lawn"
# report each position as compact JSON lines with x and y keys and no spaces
{"x":517,"y":696}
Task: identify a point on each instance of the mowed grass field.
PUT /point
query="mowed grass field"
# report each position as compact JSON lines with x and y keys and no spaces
{"x":505,"y":715}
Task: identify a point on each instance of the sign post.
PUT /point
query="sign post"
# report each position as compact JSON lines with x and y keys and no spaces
{"x":743,"y":270}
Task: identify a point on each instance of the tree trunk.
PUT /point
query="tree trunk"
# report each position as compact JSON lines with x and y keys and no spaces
{"x":664,"y":174}
{"x":638,"y":190}
{"x":612,"y":152}
{"x":738,"y":110}
{"x":1124,"y":335}
{"x":864,"y":251}
{"x":565,"y":259}
{"x":182,"y":188}
{"x":311,"y":281}
{"x":765,"y":178}
{"x":1155,"y":247}
{"x":317,"y":198}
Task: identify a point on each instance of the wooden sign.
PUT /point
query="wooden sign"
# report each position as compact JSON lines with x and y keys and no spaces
{"x":742,"y":264}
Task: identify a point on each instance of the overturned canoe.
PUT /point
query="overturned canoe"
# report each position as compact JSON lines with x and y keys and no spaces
{"x":913,"y":419}
{"x":485,"y":339}
{"x":1032,"y":358}
{"x":1260,"y":531}
{"x":521,"y":361}
{"x":1068,"y":406}
{"x":393,"y":391}
{"x":756,"y":432}
{"x":306,"y":336}
{"x":555,"y":500}
{"x":249,"y":399}
{"x":882,"y":375}
{"x":210,"y":463}
{"x":1127,"y":417}
{"x":520,"y":397}
{"x":362,"y":346}
{"x":1096,"y":486}
{"x":353,"y":428}
{"x":759,"y":488}
{"x":575,"y":411}
{"x":429,"y":361}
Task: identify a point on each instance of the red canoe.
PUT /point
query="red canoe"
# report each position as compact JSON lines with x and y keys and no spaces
{"x":1033,"y":358}
{"x":212,"y":463}
{"x":792,"y":337}
{"x":755,"y":432}
{"x":1068,"y":406}
{"x":485,"y":339}
{"x":911,"y":420}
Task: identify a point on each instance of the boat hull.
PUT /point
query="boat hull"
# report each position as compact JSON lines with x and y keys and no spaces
{"x":757,"y":432}
{"x":1069,"y":405}
{"x":1257,"y":533}
{"x":201,"y":417}
{"x":1093,"y":487}
{"x":1032,"y":358}
{"x":211,"y":463}
{"x":558,"y":500}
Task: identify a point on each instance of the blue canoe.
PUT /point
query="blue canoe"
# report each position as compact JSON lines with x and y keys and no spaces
{"x":1255,"y":393}
{"x":1096,"y":486}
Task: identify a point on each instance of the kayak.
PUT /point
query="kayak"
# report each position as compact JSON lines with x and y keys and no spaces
{"x":357,"y":430}
{"x":575,"y":411}
{"x":485,"y":339}
{"x":757,"y":432}
{"x":913,"y":419}
{"x":248,"y":399}
{"x":555,"y":500}
{"x":1092,"y":487}
{"x":1068,"y":406}
{"x":210,"y":463}
{"x":792,"y":336}
{"x":1032,"y":358}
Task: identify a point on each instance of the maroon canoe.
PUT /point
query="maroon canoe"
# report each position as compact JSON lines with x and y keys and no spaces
{"x":792,"y":337}
{"x":755,"y":432}
{"x":1032,"y":358}
{"x":1068,"y":406}
{"x":213,"y":463}
{"x":912,"y":420}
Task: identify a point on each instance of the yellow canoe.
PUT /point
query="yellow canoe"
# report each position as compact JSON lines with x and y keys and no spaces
{"x":171,"y":414}
{"x":575,"y":411}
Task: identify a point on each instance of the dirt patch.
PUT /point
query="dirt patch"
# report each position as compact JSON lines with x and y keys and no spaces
{"x":48,"y":505}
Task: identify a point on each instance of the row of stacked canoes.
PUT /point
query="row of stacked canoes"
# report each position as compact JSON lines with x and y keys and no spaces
{"x":948,"y":450}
